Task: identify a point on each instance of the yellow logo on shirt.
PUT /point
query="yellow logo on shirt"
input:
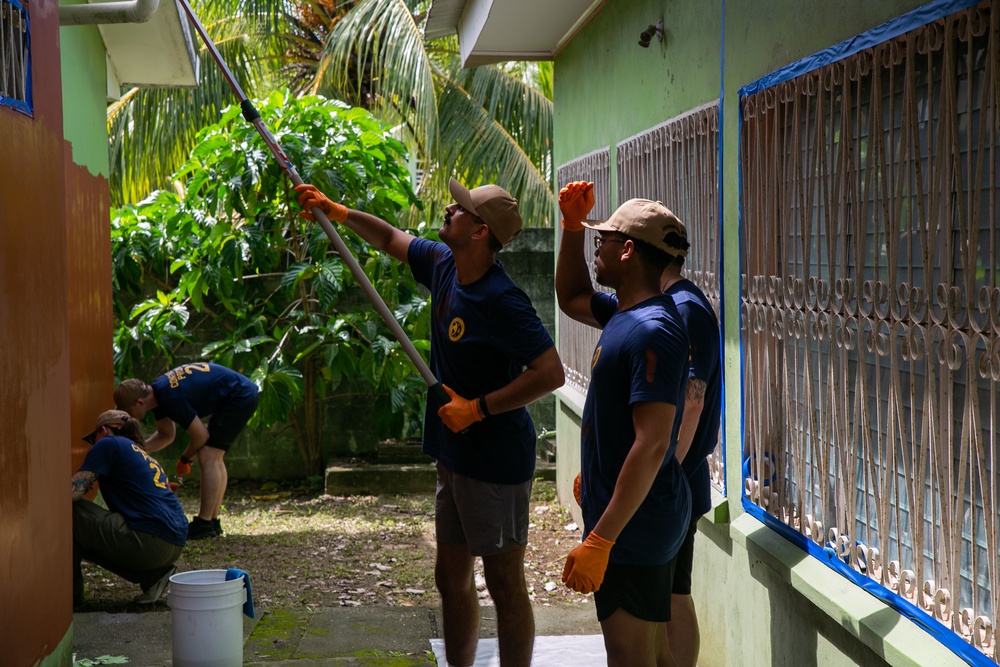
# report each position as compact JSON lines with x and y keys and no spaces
{"x":177,"y":375}
{"x":456,"y":329}
{"x":597,"y":355}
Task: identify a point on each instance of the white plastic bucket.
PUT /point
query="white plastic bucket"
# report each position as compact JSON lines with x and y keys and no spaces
{"x":206,"y":613}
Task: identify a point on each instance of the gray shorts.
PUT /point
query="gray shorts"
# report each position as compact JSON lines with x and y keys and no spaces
{"x":482,"y":515}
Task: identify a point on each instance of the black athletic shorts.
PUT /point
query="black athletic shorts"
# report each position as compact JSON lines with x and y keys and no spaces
{"x":684,"y":561}
{"x":641,"y":590}
{"x":228,"y":420}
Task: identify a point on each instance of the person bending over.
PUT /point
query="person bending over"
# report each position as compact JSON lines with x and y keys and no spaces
{"x":186,"y":395}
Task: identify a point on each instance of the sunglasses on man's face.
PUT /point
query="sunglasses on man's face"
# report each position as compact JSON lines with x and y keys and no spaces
{"x":601,"y":240}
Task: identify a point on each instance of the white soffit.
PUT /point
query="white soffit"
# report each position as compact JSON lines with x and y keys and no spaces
{"x":491,"y":31}
{"x":158,"y":53}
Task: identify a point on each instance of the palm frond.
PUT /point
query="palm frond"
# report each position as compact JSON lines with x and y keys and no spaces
{"x":302,"y":41}
{"x":523,"y":111}
{"x":375,"y":58}
{"x":476,"y":149}
{"x":263,"y":22}
{"x":153,"y":130}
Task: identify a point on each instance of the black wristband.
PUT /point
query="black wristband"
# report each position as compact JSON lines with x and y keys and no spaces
{"x":185,"y":459}
{"x":482,"y":406}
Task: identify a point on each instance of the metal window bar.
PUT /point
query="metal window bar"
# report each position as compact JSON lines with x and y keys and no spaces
{"x":14,"y":72}
{"x":871,"y":313}
{"x":675,"y":163}
{"x":577,"y":341}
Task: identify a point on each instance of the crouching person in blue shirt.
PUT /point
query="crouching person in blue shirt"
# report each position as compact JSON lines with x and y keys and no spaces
{"x":141,"y":534}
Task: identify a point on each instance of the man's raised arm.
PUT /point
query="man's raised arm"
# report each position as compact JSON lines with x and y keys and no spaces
{"x":573,"y":287}
{"x":372,"y":229}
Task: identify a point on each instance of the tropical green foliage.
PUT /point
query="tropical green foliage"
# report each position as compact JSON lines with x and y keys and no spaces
{"x":223,"y":268}
{"x":152,"y":130}
{"x":483,"y":124}
{"x":217,"y":245}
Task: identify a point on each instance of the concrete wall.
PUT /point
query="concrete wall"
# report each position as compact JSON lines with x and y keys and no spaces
{"x":760,"y":600}
{"x":530,"y":261}
{"x":608,"y":88}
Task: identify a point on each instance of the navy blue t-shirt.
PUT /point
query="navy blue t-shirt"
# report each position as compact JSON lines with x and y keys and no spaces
{"x":482,"y":336}
{"x":703,"y":335}
{"x":134,"y":485}
{"x":641,"y":356}
{"x":197,"y":390}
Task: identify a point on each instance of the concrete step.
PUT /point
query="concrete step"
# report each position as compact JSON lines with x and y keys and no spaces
{"x":370,"y":479}
{"x":401,"y":453}
{"x":351,"y":477}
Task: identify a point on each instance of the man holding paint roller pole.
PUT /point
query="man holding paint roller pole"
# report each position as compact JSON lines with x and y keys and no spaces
{"x":493,"y":355}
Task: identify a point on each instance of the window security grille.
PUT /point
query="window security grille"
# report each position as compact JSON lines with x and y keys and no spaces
{"x":577,"y":341}
{"x":871,"y":313}
{"x":15,"y":56}
{"x":676,"y":163}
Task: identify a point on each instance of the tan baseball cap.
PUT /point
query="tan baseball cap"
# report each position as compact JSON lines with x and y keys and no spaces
{"x":493,"y":205}
{"x":117,"y":418}
{"x":648,"y":221}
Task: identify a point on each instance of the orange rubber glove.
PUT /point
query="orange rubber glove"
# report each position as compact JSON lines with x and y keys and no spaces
{"x":586,"y":564}
{"x":182,"y":467}
{"x":576,"y":488}
{"x":309,"y":197}
{"x":459,"y":413}
{"x":575,"y":202}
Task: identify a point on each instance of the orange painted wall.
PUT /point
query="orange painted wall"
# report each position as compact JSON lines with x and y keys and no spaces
{"x":89,"y":307}
{"x":55,"y":357}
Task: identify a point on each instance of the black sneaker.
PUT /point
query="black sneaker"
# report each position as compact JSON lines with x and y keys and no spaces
{"x":199,"y":529}
{"x":217,"y":525}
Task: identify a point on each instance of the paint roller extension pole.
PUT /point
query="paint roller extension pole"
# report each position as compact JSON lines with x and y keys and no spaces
{"x":253,"y":117}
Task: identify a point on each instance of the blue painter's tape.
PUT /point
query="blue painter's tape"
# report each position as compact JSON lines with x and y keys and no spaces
{"x":920,"y":16}
{"x":941,"y":633}
{"x":882,"y":33}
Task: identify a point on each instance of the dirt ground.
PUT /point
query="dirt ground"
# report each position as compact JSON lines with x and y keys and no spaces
{"x":305,"y":550}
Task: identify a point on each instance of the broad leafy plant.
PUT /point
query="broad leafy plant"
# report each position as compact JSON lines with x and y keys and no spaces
{"x":486,"y":124}
{"x":223,"y":267}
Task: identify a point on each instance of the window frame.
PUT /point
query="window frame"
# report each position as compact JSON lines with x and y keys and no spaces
{"x":25,"y":105}
{"x":808,"y":531}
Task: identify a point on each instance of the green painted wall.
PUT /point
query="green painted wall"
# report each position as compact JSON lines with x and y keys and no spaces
{"x":760,"y":600}
{"x":84,"y":80}
{"x":608,"y":88}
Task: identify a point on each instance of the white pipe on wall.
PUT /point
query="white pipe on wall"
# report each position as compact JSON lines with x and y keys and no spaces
{"x":136,"y":11}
